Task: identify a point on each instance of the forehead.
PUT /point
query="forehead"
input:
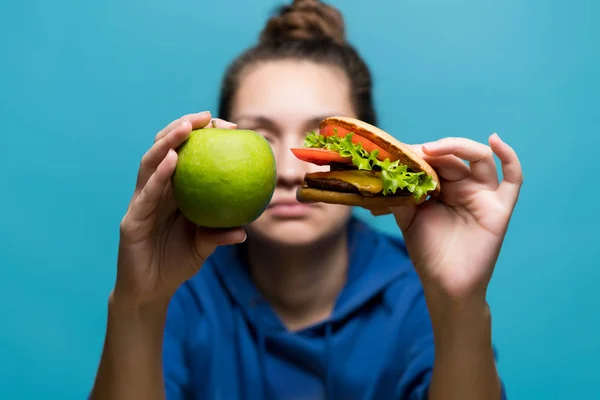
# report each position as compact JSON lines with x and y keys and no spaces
{"x":292,"y":90}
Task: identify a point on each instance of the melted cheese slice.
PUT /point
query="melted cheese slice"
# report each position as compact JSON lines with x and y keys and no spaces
{"x":367,"y":182}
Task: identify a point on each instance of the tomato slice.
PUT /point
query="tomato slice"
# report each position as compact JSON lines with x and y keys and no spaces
{"x":320,"y":156}
{"x":366,"y":143}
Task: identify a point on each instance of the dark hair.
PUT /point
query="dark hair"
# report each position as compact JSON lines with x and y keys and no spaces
{"x":306,"y":29}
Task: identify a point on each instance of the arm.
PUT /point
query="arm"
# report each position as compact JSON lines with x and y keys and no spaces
{"x":454,"y":241}
{"x":447,"y":351}
{"x":464,"y":366}
{"x":159,"y":250}
{"x":131,"y":363}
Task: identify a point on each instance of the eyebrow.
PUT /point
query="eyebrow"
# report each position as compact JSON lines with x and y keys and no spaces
{"x":271,"y":124}
{"x":258,"y":120}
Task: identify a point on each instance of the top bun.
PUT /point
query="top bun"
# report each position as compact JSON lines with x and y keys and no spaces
{"x":305,"y":20}
{"x":405,"y":154}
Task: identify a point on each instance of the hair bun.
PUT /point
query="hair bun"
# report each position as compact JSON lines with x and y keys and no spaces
{"x":305,"y":20}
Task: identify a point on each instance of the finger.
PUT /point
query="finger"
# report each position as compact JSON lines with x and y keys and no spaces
{"x":206,"y":240}
{"x":479,"y":156}
{"x":450,"y":168}
{"x":511,"y":169}
{"x":221,"y":123}
{"x":159,"y":150}
{"x":198,"y":120}
{"x":149,"y":198}
{"x":173,"y":137}
{"x":221,"y":237}
{"x":417,"y":148}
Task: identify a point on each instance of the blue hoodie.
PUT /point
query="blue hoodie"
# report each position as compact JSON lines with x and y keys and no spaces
{"x":224,"y":342}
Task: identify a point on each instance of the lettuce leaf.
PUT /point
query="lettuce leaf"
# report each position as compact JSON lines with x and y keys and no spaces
{"x":394,"y":175}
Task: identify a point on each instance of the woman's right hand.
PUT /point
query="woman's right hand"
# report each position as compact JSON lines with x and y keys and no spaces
{"x":159,"y":249}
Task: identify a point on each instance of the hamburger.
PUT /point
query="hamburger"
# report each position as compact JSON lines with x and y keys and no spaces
{"x":368,"y":168}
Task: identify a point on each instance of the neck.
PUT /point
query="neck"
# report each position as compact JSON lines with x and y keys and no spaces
{"x":301,"y":284}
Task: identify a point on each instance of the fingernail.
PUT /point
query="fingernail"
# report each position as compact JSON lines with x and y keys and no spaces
{"x":204,"y":113}
{"x":184,"y":122}
{"x":245,"y":237}
{"x":227,"y":124}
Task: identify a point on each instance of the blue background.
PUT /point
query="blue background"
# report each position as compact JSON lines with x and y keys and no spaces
{"x":84,"y":86}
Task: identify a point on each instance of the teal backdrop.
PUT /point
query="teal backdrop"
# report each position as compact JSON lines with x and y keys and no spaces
{"x":84,"y":86}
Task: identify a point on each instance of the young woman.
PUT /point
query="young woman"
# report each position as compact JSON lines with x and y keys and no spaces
{"x":313,"y":304}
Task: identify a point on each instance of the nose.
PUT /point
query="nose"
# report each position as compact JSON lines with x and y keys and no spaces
{"x":290,"y":170}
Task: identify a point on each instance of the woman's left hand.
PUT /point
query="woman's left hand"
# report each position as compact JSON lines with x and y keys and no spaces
{"x":454,"y":240}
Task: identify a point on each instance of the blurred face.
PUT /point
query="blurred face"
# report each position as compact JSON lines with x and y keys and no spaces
{"x":283,"y":100}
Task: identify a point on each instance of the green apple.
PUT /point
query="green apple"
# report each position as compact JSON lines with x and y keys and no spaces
{"x":224,"y":178}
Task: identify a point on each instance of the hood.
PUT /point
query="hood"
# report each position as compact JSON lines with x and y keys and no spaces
{"x":371,"y":270}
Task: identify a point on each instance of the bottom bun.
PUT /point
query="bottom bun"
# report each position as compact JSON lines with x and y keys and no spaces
{"x":310,"y":195}
{"x":378,"y":211}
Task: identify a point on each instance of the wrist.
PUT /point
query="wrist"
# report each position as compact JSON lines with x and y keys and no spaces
{"x":452,"y":303}
{"x":456,"y":312}
{"x":460,"y":324}
{"x":136,"y":310}
{"x":134,"y":297}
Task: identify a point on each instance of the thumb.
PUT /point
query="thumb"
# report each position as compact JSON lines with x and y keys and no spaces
{"x":207,"y":239}
{"x":404,"y":216}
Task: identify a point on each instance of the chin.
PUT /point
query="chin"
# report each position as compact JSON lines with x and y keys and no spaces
{"x":281,"y":229}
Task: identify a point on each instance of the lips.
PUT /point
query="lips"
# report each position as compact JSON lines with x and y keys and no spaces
{"x":289,"y":208}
